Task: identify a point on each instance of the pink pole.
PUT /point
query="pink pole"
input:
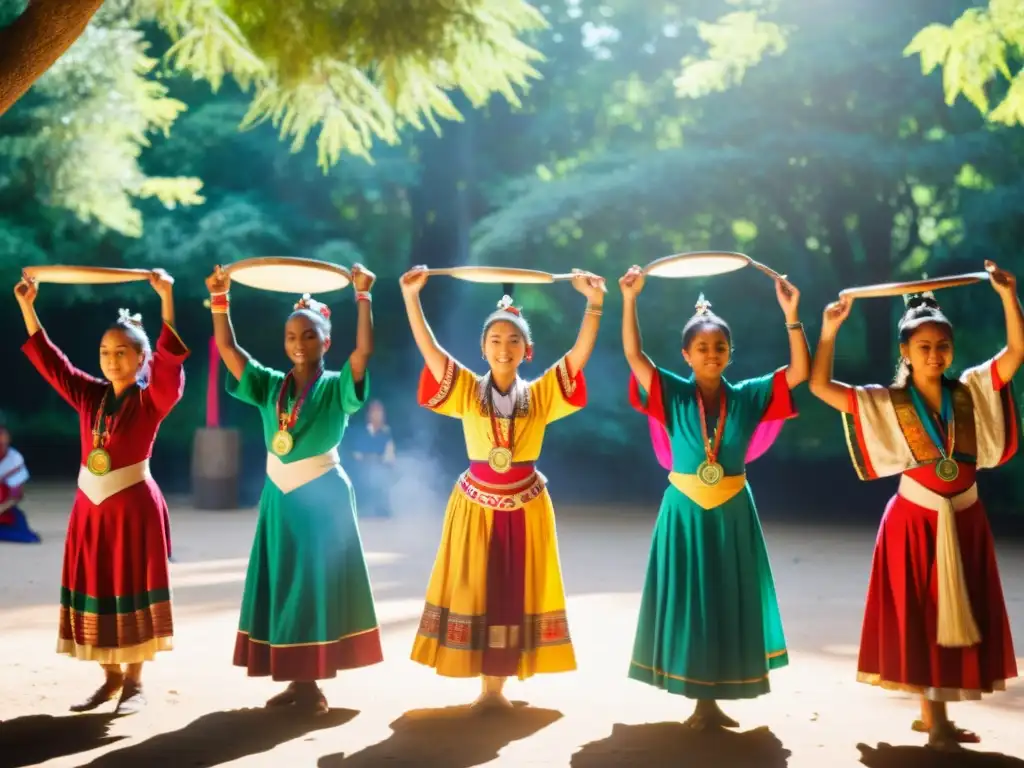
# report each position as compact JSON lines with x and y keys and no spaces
{"x":212,"y":388}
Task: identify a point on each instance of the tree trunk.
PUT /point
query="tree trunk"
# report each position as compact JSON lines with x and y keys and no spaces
{"x":35,"y":40}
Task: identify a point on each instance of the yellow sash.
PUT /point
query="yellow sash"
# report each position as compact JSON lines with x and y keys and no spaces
{"x":708,"y":496}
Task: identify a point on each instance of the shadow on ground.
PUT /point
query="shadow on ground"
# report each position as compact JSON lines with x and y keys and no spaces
{"x":660,"y":745}
{"x":221,"y":737}
{"x":888,"y":756}
{"x":35,"y":739}
{"x":452,"y":737}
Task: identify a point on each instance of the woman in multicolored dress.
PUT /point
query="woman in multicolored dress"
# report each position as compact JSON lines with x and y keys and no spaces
{"x":495,"y":604}
{"x":115,"y":593}
{"x":307,"y":607}
{"x":935,"y":621}
{"x":709,"y":626}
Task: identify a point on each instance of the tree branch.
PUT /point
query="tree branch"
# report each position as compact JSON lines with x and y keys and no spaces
{"x":35,"y":40}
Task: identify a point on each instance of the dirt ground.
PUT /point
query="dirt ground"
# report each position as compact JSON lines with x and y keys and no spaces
{"x":204,"y":712}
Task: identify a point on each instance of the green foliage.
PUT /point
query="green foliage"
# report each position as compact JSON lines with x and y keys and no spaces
{"x":75,"y":142}
{"x":975,"y":53}
{"x":359,"y":70}
{"x":735,"y":42}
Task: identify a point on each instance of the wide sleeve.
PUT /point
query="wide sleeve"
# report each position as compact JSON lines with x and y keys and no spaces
{"x":559,"y":392}
{"x":348,"y":394}
{"x":451,"y":395}
{"x":167,"y":374}
{"x":766,"y":398}
{"x":770,"y":403}
{"x":875,"y":441}
{"x":995,"y":414}
{"x":258,"y":385}
{"x":660,"y":405}
{"x":77,"y":387}
{"x":661,"y":402}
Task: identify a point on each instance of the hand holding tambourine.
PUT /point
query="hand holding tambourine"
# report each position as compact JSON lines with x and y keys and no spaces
{"x":26,"y":290}
{"x":632,"y":282}
{"x":362,"y":278}
{"x":412,"y":282}
{"x":1003,"y":282}
{"x":590,"y":285}
{"x":218,"y":282}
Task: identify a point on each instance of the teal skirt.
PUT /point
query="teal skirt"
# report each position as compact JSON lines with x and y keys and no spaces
{"x":307,"y":608}
{"x":709,"y":625}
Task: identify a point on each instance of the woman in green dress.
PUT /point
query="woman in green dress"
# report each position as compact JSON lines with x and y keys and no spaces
{"x":307,"y":608}
{"x":709,"y":626}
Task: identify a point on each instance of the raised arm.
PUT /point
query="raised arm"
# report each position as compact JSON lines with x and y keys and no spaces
{"x":640,"y":364}
{"x":234,"y":357}
{"x":435,"y":358}
{"x":25,"y":292}
{"x":822,"y":385}
{"x":74,"y":385}
{"x":799,"y":352}
{"x":1008,"y":361}
{"x":167,"y":380}
{"x":593,"y":287}
{"x":362,"y":282}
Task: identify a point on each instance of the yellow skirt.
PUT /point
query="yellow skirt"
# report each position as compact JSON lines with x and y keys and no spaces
{"x":453,"y":631}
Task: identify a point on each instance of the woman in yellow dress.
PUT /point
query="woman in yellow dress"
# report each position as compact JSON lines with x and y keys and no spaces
{"x":495,"y":605}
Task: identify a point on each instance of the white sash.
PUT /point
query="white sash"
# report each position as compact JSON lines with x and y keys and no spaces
{"x":956,"y":625}
{"x":288,"y":477}
{"x":99,"y":488}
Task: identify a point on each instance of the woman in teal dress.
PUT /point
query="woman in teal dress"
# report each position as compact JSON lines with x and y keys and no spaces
{"x":307,"y":607}
{"x":709,"y":626}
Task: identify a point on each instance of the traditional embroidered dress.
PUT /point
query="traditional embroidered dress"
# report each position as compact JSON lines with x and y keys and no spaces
{"x":935,"y":622}
{"x":115,"y":593}
{"x":495,"y":602}
{"x":709,"y":625}
{"x":13,"y":523}
{"x":307,"y":608}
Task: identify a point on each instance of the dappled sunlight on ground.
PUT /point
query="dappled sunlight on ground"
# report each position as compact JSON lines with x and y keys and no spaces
{"x":398,"y":713}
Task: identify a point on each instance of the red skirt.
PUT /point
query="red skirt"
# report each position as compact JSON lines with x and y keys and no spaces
{"x":115,"y":590}
{"x":898,"y":647}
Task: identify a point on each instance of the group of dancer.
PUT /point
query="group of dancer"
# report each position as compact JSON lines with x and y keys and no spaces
{"x":709,"y":625}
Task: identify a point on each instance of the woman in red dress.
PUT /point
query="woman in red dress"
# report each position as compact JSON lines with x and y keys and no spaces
{"x":935,"y":622}
{"x":115,"y":602}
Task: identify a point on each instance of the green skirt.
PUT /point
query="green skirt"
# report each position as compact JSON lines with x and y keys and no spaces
{"x":307,"y":607}
{"x":709,"y":625}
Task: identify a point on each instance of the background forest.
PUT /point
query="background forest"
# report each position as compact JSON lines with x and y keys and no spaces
{"x":593,"y":134}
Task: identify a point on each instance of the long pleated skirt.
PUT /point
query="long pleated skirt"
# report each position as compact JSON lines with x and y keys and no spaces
{"x":709,"y":625}
{"x":495,"y":602}
{"x":307,"y":607}
{"x":898,"y":648}
{"x":115,"y":601}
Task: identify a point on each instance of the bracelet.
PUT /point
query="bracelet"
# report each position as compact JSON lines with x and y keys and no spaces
{"x":219,"y":303}
{"x":797,"y":326}
{"x":595,"y":311}
{"x":364,"y":296}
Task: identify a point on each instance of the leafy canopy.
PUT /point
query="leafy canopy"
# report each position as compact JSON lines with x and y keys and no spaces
{"x":359,"y":70}
{"x":354,"y":72}
{"x":975,"y":53}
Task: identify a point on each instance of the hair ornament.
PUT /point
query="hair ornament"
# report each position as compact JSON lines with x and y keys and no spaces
{"x":505,"y":305}
{"x":703,"y":306}
{"x":925,"y":299}
{"x":125,"y":317}
{"x":307,"y":302}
